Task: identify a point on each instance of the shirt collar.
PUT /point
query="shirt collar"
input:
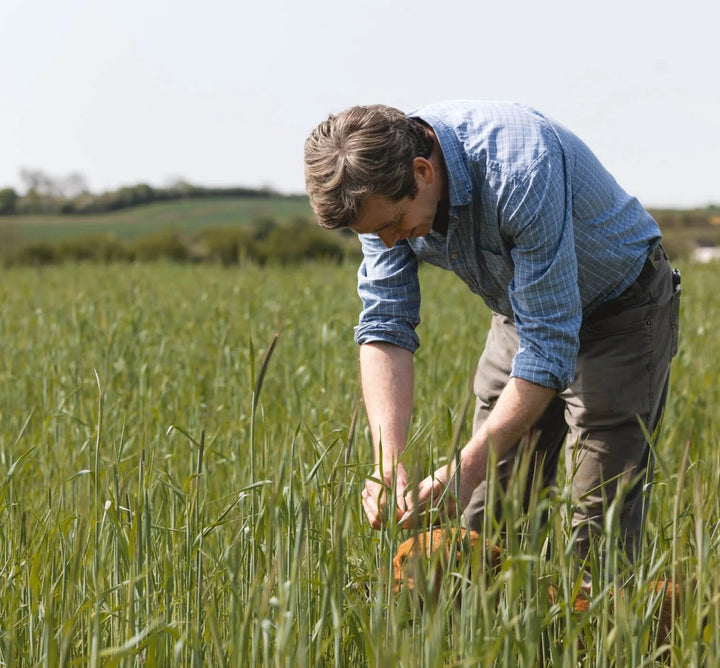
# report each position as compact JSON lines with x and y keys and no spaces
{"x":456,"y":167}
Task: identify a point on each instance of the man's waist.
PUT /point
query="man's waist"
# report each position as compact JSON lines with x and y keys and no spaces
{"x":656,"y":257}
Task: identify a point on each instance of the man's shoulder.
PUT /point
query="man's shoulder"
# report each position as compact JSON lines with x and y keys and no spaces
{"x":472,"y":113}
{"x":507,"y":138}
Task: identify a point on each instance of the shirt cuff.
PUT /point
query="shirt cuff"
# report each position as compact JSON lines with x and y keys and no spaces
{"x":374,"y":334}
{"x":540,"y":371}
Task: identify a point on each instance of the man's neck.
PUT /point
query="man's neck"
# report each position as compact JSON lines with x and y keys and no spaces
{"x":438,"y":163}
{"x":442,"y":217}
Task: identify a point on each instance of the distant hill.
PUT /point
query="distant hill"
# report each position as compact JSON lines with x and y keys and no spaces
{"x":187,"y":216}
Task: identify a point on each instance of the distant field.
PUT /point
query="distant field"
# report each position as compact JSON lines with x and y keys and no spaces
{"x":188,"y":216}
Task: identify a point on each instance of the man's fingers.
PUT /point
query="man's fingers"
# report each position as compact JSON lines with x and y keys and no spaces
{"x":375,"y":505}
{"x":371,"y":510}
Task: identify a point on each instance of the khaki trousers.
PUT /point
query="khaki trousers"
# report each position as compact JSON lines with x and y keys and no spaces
{"x":622,"y":376}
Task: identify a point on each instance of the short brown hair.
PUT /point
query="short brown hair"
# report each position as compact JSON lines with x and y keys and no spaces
{"x":365,"y":150}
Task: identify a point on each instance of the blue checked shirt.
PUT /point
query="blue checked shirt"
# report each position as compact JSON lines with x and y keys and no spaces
{"x":537,"y":228}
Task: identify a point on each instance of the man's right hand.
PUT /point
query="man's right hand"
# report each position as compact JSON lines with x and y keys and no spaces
{"x":375,"y":495}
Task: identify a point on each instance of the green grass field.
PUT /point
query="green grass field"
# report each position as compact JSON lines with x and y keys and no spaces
{"x":170,"y":496}
{"x":188,"y":216}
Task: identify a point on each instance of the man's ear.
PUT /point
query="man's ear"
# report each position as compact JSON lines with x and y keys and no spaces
{"x":424,"y":171}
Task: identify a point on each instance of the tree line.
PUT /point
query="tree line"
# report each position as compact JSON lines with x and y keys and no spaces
{"x":70,"y":195}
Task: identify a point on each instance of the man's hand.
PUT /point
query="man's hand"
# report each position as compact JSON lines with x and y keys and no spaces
{"x":419,"y":500}
{"x":375,"y":495}
{"x":437,"y":492}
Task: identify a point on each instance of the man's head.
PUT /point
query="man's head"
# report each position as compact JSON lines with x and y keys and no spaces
{"x":360,"y":152}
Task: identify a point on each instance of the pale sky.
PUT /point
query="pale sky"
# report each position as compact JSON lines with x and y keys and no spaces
{"x":224,"y":92}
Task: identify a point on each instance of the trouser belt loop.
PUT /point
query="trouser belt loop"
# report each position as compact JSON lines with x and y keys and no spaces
{"x":657,"y":255}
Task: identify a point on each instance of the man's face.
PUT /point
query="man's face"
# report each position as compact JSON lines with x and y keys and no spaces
{"x":393,"y":221}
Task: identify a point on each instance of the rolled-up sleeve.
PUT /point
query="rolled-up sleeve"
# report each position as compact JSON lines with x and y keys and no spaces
{"x":389,"y":289}
{"x":544,"y":292}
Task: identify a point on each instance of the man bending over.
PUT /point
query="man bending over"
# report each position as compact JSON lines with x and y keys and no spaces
{"x":584,"y":300}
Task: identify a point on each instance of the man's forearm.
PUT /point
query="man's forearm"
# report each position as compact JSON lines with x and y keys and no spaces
{"x":387,"y":382}
{"x":518,"y":408}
